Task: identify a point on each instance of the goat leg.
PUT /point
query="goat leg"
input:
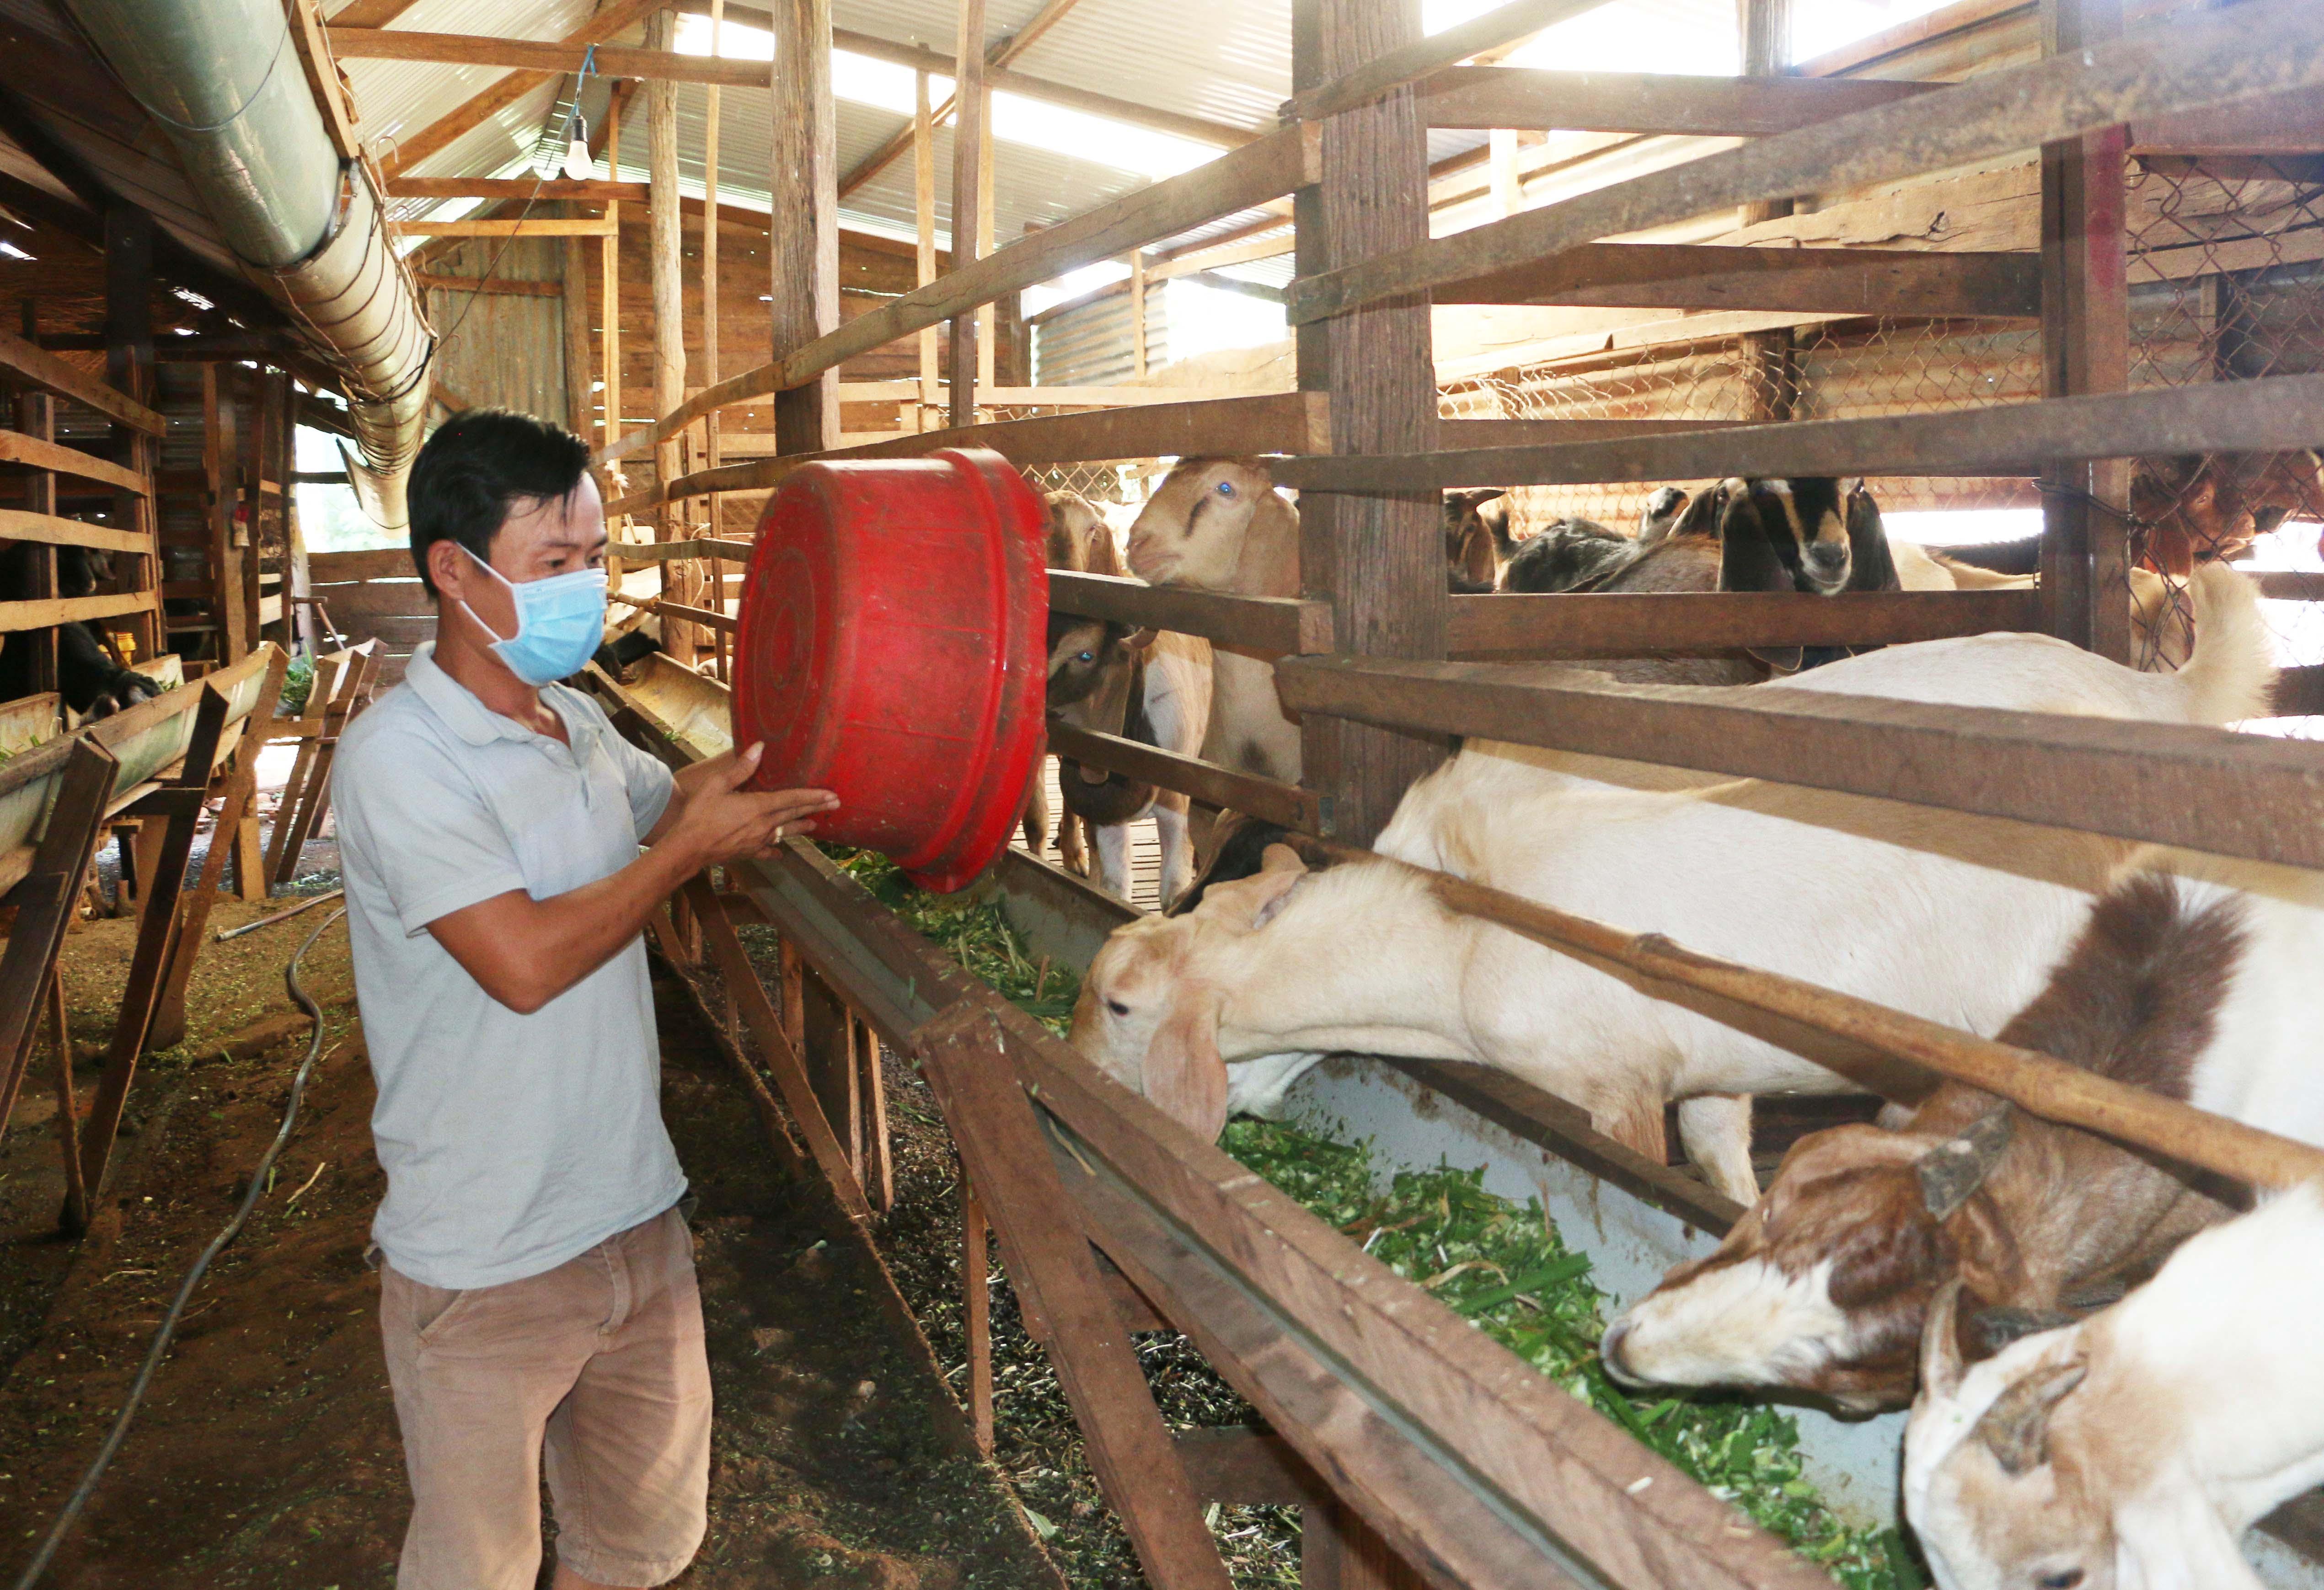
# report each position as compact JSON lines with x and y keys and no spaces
{"x":1716,"y":1128}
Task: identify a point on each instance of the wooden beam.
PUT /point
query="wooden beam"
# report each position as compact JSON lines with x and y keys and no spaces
{"x":656,"y":66}
{"x":2210,"y":790}
{"x":1272,"y":625}
{"x":17,"y":525}
{"x":803,"y":244}
{"x":1282,"y":163}
{"x":369,"y":13}
{"x":518,"y":189}
{"x":1648,"y":103}
{"x":1709,"y":276}
{"x":30,"y":363}
{"x":490,"y":284}
{"x":971,"y":109}
{"x":512,"y":227}
{"x":2278,"y":124}
{"x":616,"y":17}
{"x":1285,"y":421}
{"x":1423,"y":58}
{"x":2263,"y":46}
{"x":2272,"y":415}
{"x":1615,"y":625}
{"x":2085,"y":348}
{"x":34,"y":453}
{"x":1268,"y":799}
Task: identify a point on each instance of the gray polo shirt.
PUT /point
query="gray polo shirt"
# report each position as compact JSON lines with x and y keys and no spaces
{"x":511,"y":1142}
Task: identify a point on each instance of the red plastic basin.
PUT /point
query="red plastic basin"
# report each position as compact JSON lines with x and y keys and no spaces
{"x":891,"y":650}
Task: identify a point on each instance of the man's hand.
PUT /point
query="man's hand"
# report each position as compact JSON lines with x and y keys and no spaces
{"x":719,"y":821}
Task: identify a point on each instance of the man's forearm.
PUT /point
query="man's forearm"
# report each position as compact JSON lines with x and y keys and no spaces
{"x":525,"y":952}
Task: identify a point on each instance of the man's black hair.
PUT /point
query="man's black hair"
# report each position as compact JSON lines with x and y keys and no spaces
{"x":481,"y":462}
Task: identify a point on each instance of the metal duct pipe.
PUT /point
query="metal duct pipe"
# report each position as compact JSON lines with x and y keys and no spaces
{"x":304,"y":224}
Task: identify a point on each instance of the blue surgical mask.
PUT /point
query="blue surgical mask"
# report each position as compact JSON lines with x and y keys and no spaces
{"x":560,"y":623}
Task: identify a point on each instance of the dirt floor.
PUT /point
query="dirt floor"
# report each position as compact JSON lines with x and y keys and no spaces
{"x":266,"y":1453}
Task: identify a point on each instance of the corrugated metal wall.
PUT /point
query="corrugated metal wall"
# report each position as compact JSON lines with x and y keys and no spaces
{"x":502,"y":350}
{"x":1088,"y":345}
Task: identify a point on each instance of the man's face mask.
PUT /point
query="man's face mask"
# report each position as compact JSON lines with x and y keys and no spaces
{"x":560,"y":623}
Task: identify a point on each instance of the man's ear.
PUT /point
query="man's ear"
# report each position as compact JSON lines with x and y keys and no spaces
{"x":448,"y":567}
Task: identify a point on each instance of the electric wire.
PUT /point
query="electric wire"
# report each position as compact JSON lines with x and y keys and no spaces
{"x":79,"y":1499}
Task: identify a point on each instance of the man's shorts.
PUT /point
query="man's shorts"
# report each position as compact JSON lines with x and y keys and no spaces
{"x":599,"y":1363}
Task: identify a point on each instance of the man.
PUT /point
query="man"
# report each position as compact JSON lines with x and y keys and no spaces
{"x":538,"y":1291}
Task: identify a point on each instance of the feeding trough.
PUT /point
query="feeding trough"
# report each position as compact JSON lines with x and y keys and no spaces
{"x":891,"y":650}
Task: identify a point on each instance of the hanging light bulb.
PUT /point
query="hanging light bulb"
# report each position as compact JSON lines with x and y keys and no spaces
{"x":577,"y":163}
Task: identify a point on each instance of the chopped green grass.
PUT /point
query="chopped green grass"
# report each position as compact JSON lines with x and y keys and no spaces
{"x":1501,"y":1265}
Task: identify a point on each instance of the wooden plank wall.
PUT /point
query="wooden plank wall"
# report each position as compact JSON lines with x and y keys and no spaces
{"x":375,"y":595}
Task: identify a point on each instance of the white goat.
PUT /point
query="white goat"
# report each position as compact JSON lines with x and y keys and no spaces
{"x":1219,"y":524}
{"x":2161,"y":638}
{"x":1948,"y":916}
{"x":2132,"y":1451}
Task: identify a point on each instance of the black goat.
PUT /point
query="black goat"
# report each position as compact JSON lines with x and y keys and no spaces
{"x":89,"y":679}
{"x":1570,"y":555}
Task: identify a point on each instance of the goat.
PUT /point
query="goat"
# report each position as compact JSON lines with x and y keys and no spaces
{"x":1219,"y":524}
{"x":1154,"y":687}
{"x":1477,"y":538}
{"x":1660,"y":516}
{"x":1570,"y":555}
{"x":1834,"y":1268}
{"x":90,"y":679}
{"x":1079,"y":542}
{"x":2131,"y":1451}
{"x":2160,"y":636}
{"x":1902,"y":905}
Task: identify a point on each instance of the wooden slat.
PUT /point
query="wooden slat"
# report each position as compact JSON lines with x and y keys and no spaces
{"x":1814,"y":280}
{"x":1487,"y":97}
{"x":2275,"y":414}
{"x":1266,"y":799}
{"x":1247,"y":1467}
{"x":45,"y":370}
{"x":1453,"y":435}
{"x":542,"y":55}
{"x":489,"y":284}
{"x":2266,"y":46}
{"x":1287,"y":421}
{"x":1276,"y":165}
{"x":521,"y":189}
{"x":1384,"y":74}
{"x":331,"y":567}
{"x":665,"y":551}
{"x":2284,"y":585}
{"x":17,"y":525}
{"x":55,"y":610}
{"x":2207,"y":789}
{"x":527,"y":227}
{"x":1271,"y":624}
{"x":15,"y":447}
{"x":2299,"y":691}
{"x":1617,"y":625}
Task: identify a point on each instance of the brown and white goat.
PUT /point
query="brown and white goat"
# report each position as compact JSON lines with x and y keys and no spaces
{"x":1946,"y":915}
{"x":1219,"y":524}
{"x":2131,"y":1451}
{"x":1079,"y":542}
{"x":2177,"y":984}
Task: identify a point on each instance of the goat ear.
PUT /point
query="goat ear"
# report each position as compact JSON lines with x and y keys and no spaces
{"x":1252,"y":901}
{"x":2017,"y":1428}
{"x":1184,"y":1074}
{"x":1952,"y":1173}
{"x":1940,"y":1353}
{"x":1138,"y":639}
{"x":1280,"y":858}
{"x":1748,"y":559}
{"x":1871,"y":566}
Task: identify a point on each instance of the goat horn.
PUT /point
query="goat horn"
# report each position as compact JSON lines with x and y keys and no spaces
{"x":2017,"y":1428}
{"x":1940,"y":1358}
{"x":1955,"y":1169}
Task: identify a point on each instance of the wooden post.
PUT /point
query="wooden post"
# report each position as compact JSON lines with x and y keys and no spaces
{"x":575,"y":307}
{"x":667,"y":267}
{"x":36,"y":414}
{"x":1380,"y":559}
{"x":878,"y":1171}
{"x":246,"y":532}
{"x":129,"y":367}
{"x":1770,"y":365}
{"x":221,"y":476}
{"x":1137,"y":353}
{"x":924,"y":215}
{"x":987,"y":317}
{"x":976,"y":1312}
{"x":1501,"y":151}
{"x":710,"y":301}
{"x":803,"y":240}
{"x":2085,"y":348}
{"x":68,"y":1103}
{"x":967,"y":145}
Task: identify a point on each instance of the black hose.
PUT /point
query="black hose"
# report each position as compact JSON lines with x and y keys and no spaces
{"x":161,"y":1337}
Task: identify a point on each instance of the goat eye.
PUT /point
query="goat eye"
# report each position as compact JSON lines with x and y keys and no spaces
{"x":2064,"y":1579}
{"x":1226,"y":488}
{"x":1117,"y":1007}
{"x":1087,"y":657}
